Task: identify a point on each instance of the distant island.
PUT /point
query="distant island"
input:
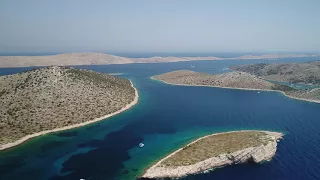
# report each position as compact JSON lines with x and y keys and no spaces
{"x":89,"y":58}
{"x":307,"y":73}
{"x":55,"y":98}
{"x":235,"y":80}
{"x":216,"y":150}
{"x":303,"y":73}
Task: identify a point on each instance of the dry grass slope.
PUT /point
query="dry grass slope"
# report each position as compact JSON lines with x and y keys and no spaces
{"x":54,"y":97}
{"x":306,"y":94}
{"x":237,"y":80}
{"x":212,"y":146}
{"x":304,"y":73}
{"x":216,"y":150}
{"x":231,"y":79}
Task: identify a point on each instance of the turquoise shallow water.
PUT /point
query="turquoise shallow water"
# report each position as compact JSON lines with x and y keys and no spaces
{"x":295,"y":85}
{"x":166,"y":118}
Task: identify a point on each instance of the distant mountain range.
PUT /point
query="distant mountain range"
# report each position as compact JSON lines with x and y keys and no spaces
{"x":88,"y":58}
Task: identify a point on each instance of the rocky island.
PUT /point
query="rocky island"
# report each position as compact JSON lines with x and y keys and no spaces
{"x":55,"y":98}
{"x":302,"y":73}
{"x":306,"y":73}
{"x":235,"y":80}
{"x":216,"y":150}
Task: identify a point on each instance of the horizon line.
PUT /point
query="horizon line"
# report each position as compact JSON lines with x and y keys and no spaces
{"x":159,"y":53}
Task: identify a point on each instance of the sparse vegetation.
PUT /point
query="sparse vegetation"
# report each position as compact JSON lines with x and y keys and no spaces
{"x":215,"y":145}
{"x":2,"y":92}
{"x":236,"y":79}
{"x":283,"y":88}
{"x":313,"y":94}
{"x":299,"y":73}
{"x":230,"y":80}
{"x":304,"y":73}
{"x":54,"y":97}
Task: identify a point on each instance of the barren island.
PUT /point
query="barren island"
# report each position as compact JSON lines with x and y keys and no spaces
{"x":236,"y":80}
{"x":55,"y":98}
{"x":216,"y":150}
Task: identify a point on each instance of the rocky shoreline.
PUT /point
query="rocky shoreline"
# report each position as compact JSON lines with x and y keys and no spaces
{"x":66,"y":97}
{"x":28,"y":137}
{"x":235,"y":84}
{"x":258,"y":154}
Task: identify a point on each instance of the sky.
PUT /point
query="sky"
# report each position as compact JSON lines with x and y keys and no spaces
{"x":159,"y":26}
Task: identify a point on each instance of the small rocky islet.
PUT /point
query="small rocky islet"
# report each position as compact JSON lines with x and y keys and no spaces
{"x":55,"y":97}
{"x":214,"y":151}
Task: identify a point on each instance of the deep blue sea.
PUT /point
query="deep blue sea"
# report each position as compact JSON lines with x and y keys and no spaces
{"x":166,"y":118}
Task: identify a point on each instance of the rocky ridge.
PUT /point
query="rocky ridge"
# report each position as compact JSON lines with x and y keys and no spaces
{"x":304,"y":73}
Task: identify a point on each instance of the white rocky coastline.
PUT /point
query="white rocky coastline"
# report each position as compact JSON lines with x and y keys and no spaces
{"x":252,"y":154}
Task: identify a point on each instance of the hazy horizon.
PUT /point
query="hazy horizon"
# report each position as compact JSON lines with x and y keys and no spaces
{"x":162,"y":54}
{"x":144,"y":26}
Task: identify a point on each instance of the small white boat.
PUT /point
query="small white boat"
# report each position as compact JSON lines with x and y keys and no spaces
{"x":141,"y":145}
{"x":258,"y":92}
{"x":278,"y":140}
{"x":192,"y":66}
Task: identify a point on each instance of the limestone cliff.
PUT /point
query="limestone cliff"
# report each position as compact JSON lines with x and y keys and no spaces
{"x":256,"y":154}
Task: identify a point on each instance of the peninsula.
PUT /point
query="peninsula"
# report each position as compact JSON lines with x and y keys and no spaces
{"x":216,"y":150}
{"x":89,"y":58}
{"x":52,"y":99}
{"x":235,"y":80}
